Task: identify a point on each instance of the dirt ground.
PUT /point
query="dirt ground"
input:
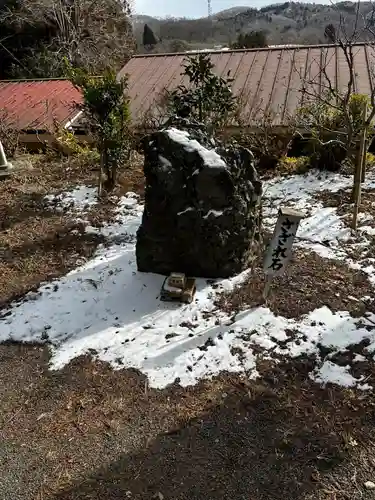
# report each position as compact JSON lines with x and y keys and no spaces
{"x":88,"y":432}
{"x":342,"y":201}
{"x":309,"y":282}
{"x":37,"y":244}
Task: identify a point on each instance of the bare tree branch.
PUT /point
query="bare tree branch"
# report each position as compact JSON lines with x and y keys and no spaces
{"x":92,"y":34}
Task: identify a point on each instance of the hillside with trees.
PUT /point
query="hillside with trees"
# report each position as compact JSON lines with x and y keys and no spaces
{"x":286,"y":23}
{"x":39,"y":36}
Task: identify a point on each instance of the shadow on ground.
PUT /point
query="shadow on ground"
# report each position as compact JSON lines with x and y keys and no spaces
{"x":285,"y":439}
{"x":22,"y":207}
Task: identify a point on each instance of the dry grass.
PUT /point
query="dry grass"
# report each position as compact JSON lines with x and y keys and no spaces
{"x":36,"y":244}
{"x":88,"y":432}
{"x":341,"y":200}
{"x":97,"y":433}
{"x":310,"y":282}
{"x":133,"y":179}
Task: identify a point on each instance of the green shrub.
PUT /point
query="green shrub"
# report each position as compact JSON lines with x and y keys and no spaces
{"x":291,"y":165}
{"x":267,"y":146}
{"x":67,"y":143}
{"x":208,"y":98}
{"x":334,"y":129}
{"x":370,"y":160}
{"x":107,"y":116}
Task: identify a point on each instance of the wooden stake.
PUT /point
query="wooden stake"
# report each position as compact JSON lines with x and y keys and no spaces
{"x":361,"y":164}
{"x":363,"y":177}
{"x":267,"y":284}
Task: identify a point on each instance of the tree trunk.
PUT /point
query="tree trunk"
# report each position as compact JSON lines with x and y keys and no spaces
{"x":110,"y":172}
{"x":100,"y":179}
{"x":102,"y":167}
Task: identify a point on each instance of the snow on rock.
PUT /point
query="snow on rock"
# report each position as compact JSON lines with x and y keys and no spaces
{"x":163,"y":160}
{"x":219,"y":206}
{"x":188,"y":209}
{"x":214,"y":213}
{"x":110,"y":310}
{"x":209,"y":156}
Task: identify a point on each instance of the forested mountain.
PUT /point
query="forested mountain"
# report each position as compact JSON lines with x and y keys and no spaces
{"x":38,"y":36}
{"x":286,"y":23}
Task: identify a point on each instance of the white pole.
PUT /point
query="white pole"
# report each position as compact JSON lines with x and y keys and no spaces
{"x":3,"y":158}
{"x":4,"y":164}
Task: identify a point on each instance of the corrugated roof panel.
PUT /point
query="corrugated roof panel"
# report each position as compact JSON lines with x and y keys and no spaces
{"x":281,"y":85}
{"x":328,"y":62}
{"x":23,"y":102}
{"x":370,"y":61}
{"x":280,"y":79}
{"x":235,"y":65}
{"x":152,"y":99}
{"x":40,"y":114}
{"x":146,"y":100}
{"x":134,"y":70}
{"x":254,"y":84}
{"x":272,"y":69}
{"x":361,"y":68}
{"x":139,"y":91}
{"x":153,"y":85}
{"x":38,"y":105}
{"x":221,"y":63}
{"x":342,"y":71}
{"x":293,"y":96}
{"x":230,"y":66}
{"x":312,"y":81}
{"x":240,"y":86}
{"x":21,"y":109}
{"x":178,"y":78}
{"x":358,"y":55}
{"x":172,"y":78}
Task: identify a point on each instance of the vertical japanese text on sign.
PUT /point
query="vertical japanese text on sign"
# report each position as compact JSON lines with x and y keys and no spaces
{"x":280,"y":248}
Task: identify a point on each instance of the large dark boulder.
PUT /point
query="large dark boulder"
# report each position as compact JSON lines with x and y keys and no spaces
{"x":202,"y":205}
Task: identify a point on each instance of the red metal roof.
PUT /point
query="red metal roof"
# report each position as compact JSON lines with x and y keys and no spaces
{"x":38,"y":104}
{"x":270,"y":79}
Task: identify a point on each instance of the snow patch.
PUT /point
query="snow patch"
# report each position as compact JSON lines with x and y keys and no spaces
{"x":108,"y":308}
{"x":322,"y":230}
{"x":78,"y":200}
{"x":330,"y":372}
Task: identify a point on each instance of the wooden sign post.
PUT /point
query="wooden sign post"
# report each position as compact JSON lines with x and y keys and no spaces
{"x":279,"y":250}
{"x":360,"y":170}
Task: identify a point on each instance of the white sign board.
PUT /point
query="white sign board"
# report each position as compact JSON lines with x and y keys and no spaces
{"x":279,"y":251}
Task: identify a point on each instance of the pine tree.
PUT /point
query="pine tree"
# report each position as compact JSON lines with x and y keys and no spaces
{"x":330,"y":33}
{"x":251,"y":40}
{"x":149,"y":39}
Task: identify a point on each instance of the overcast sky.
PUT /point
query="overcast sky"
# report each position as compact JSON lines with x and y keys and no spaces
{"x":193,"y":8}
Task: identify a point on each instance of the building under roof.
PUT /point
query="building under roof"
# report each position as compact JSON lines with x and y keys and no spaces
{"x":36,"y":107}
{"x":275,"y":79}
